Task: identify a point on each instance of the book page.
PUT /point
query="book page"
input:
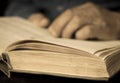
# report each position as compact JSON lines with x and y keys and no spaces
{"x":59,"y":64}
{"x":87,"y":46}
{"x":13,"y":29}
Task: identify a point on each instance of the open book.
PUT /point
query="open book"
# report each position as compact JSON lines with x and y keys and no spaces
{"x":28,"y":49}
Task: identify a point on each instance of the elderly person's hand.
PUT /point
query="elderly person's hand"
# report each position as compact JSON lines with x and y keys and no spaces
{"x":39,"y":20}
{"x":87,"y":21}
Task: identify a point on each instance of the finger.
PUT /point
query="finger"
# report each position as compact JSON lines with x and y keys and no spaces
{"x":38,"y":20}
{"x":57,"y":26}
{"x":44,"y":22}
{"x":86,"y":32}
{"x":72,"y":26}
{"x":35,"y":16}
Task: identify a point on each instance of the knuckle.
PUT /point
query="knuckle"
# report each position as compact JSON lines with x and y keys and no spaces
{"x":68,"y":12}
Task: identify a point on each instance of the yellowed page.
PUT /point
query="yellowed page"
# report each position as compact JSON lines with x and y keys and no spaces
{"x":59,"y":64}
{"x":14,"y":29}
{"x":88,"y":46}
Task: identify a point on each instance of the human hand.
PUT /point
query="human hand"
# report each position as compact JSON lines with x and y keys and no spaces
{"x":87,"y":21}
{"x":39,"y":20}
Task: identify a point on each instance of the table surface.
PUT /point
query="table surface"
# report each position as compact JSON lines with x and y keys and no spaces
{"x":33,"y":78}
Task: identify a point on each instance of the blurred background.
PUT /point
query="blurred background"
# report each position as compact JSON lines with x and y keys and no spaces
{"x":3,"y":6}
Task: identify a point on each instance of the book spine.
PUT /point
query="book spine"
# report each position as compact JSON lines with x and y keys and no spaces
{"x":5,"y":65}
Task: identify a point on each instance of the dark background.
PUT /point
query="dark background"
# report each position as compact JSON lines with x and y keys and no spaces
{"x":32,"y":78}
{"x":3,"y":5}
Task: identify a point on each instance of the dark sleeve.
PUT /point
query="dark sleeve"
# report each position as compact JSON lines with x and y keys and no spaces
{"x":22,"y":8}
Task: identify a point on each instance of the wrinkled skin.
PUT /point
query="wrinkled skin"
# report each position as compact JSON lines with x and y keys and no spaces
{"x":87,"y":21}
